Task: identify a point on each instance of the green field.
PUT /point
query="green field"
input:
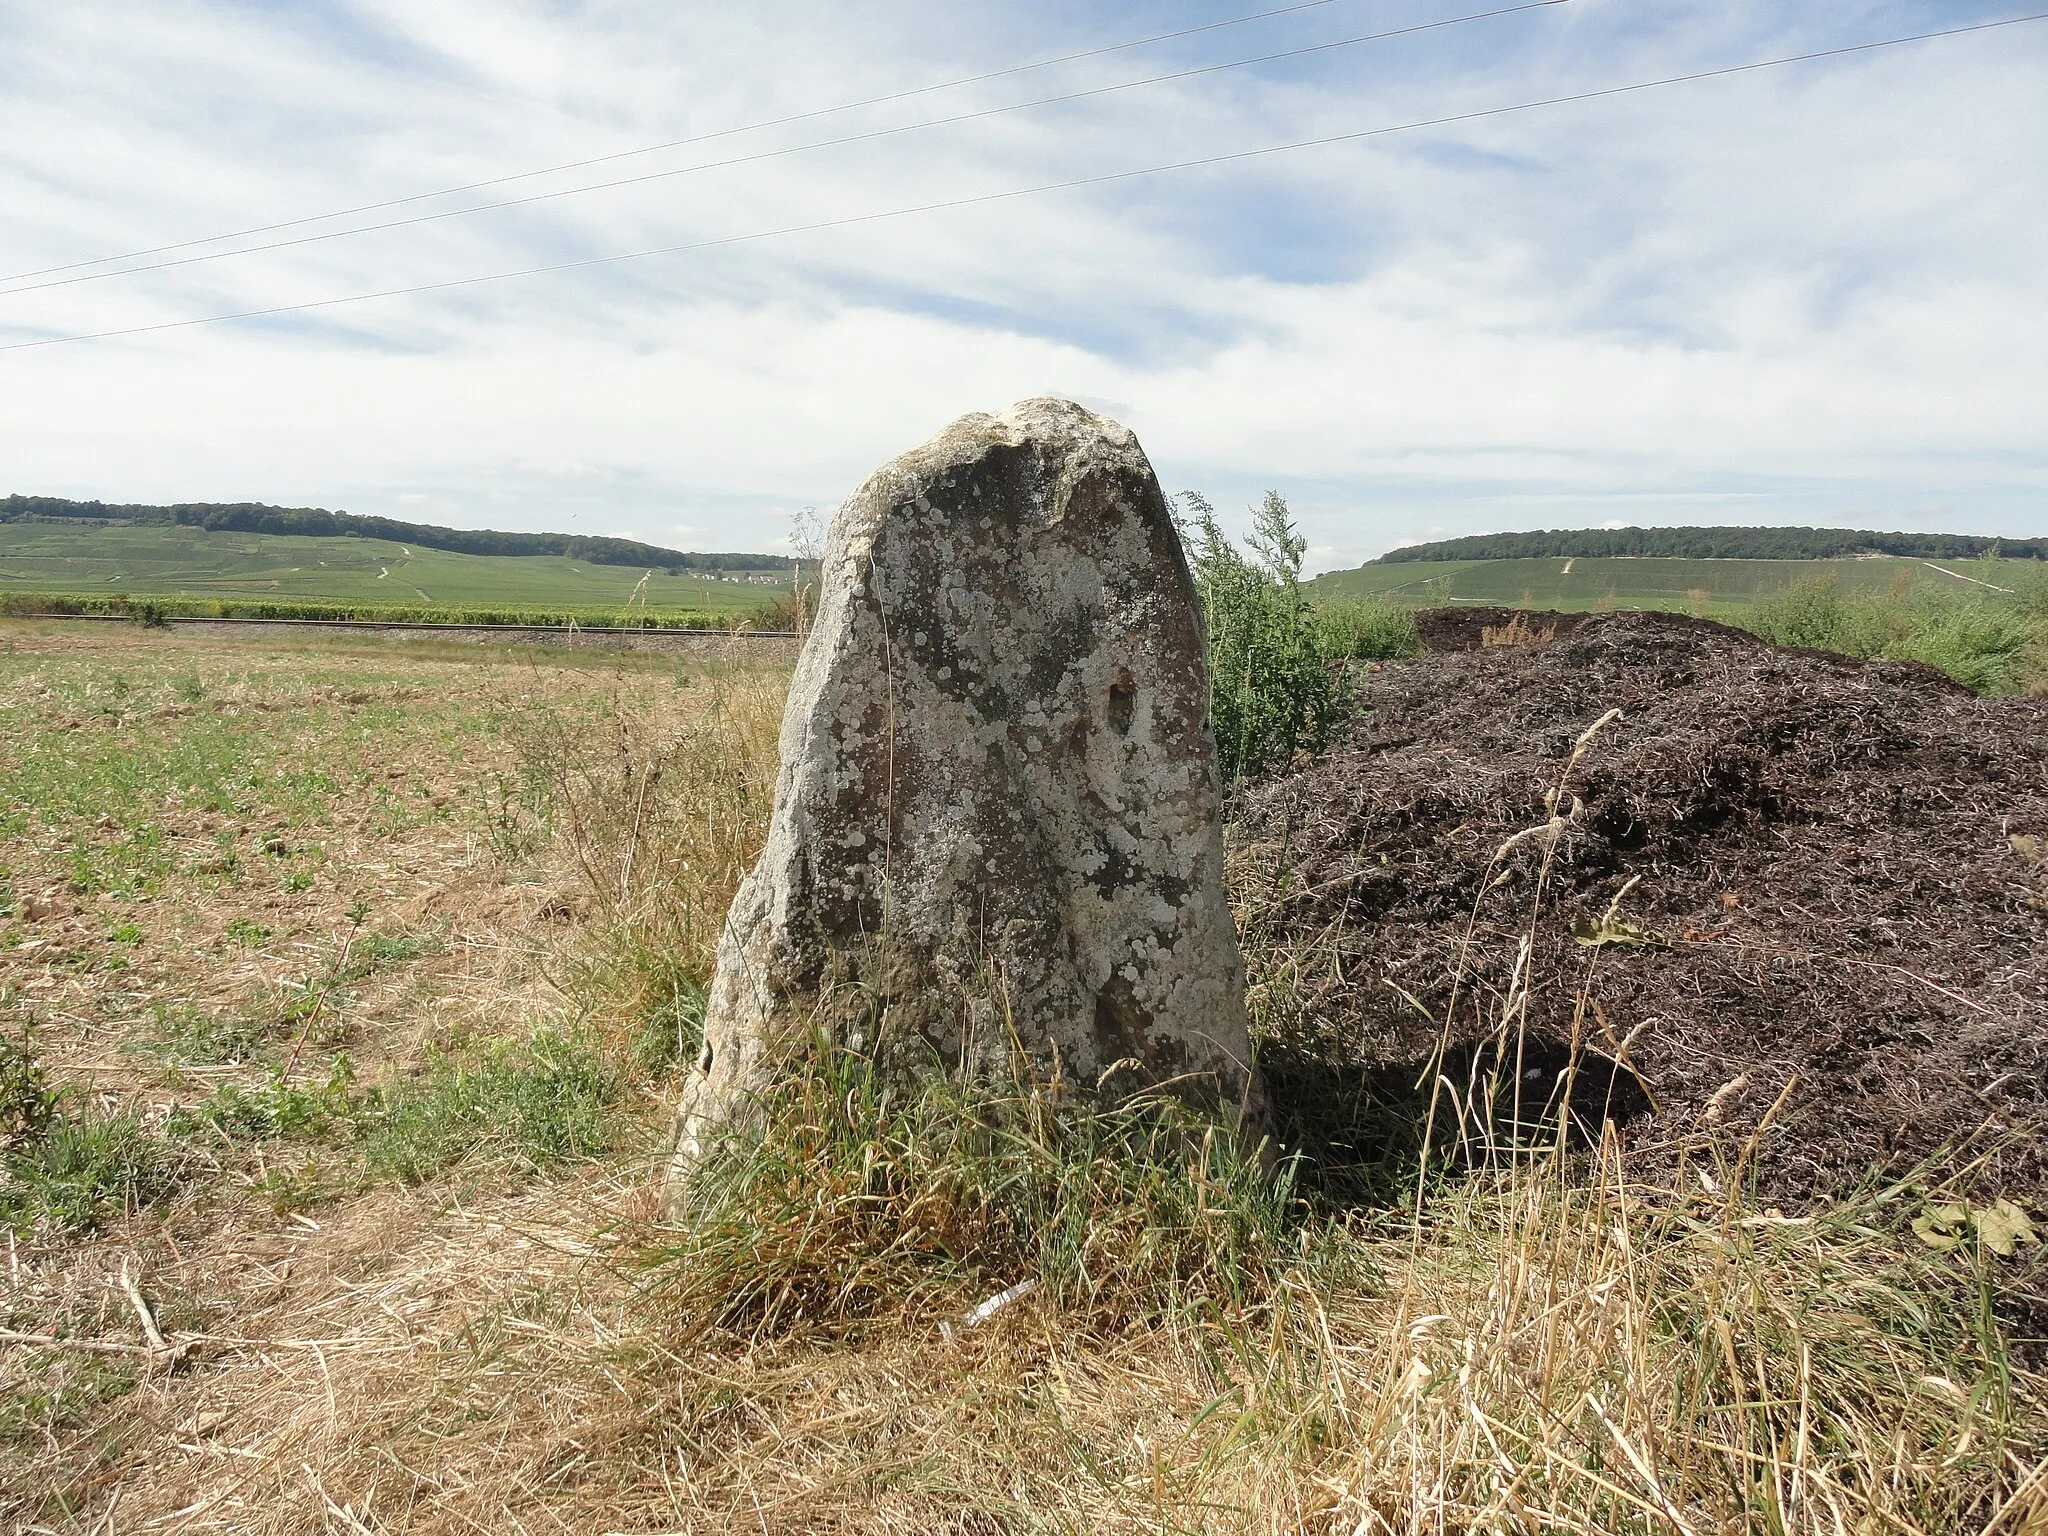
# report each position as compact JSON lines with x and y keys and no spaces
{"x":175,"y":561}
{"x":1579,"y":584}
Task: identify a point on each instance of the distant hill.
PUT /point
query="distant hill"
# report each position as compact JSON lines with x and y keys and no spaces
{"x":1579,"y":582}
{"x":316,"y":522}
{"x":1716,"y":544}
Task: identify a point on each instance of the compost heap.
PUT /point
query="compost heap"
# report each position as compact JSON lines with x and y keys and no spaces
{"x":1833,"y":882}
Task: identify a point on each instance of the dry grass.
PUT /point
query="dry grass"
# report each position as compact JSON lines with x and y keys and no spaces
{"x":1534,"y":1343}
{"x":1517,"y":631}
{"x":660,"y":813}
{"x":1531,"y":1356}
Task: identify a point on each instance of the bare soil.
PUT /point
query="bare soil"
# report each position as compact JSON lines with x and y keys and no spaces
{"x":1836,"y":872}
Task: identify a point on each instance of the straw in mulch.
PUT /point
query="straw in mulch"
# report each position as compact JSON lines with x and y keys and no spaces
{"x":1833,"y":878}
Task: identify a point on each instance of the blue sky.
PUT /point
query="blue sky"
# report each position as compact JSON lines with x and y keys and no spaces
{"x":1812,"y":294}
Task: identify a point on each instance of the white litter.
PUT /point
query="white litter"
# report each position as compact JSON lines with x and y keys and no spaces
{"x":988,"y":1309}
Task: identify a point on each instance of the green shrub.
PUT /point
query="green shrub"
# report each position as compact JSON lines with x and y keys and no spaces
{"x":1980,"y":644}
{"x":1367,"y":629}
{"x":2030,"y":588}
{"x":1271,"y":690}
{"x":1815,"y":614}
{"x":1994,"y":642}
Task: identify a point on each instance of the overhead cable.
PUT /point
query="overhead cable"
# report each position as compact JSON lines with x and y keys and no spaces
{"x":1105,"y":178}
{"x":794,"y":149}
{"x":699,"y":138}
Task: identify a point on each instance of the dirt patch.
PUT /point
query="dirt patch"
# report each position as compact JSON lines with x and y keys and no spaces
{"x":1840,"y":884}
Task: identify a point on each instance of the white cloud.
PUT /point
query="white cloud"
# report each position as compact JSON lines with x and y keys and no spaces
{"x":1808,"y":295}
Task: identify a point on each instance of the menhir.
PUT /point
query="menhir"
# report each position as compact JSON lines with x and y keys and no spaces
{"x":996,"y":848}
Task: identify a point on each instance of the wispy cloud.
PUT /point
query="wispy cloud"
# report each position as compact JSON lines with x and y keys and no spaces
{"x":1807,"y":295}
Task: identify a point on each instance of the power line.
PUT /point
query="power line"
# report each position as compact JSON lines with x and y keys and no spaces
{"x":796,"y":149}
{"x":1055,"y":186}
{"x":701,"y":138}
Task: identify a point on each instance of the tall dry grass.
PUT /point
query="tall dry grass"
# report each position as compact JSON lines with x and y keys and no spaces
{"x":1588,"y":1352}
{"x":1536,"y":1352}
{"x":659,"y":805}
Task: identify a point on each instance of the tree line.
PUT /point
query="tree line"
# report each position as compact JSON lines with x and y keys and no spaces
{"x":1718,"y":544}
{"x":255,"y":517}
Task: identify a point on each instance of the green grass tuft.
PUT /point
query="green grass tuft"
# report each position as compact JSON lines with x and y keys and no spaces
{"x":527,"y":1106}
{"x":190,"y":1034}
{"x":858,"y":1201}
{"x":86,"y":1167}
{"x":54,"y":1389}
{"x":278,"y":1110}
{"x":669,"y":1033}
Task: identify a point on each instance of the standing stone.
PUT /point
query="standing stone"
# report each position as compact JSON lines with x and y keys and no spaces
{"x":996,"y":847}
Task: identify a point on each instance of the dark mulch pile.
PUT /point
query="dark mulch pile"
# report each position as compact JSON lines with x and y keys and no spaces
{"x":1843,"y":868}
